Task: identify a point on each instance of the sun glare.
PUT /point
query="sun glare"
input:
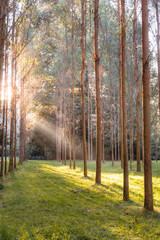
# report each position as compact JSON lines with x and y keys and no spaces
{"x":7,"y":95}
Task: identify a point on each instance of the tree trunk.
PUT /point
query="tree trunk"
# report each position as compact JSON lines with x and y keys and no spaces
{"x":82,"y":89}
{"x":91,"y":124}
{"x":120,"y":87}
{"x":2,"y":40}
{"x":11,"y":163}
{"x":148,"y":194}
{"x":89,"y":145}
{"x":123,"y":42}
{"x":3,"y":132}
{"x":22,"y":125}
{"x":5,"y":97}
{"x":98,"y":101}
{"x":137,"y":84}
{"x":102,"y":118}
{"x":15,"y":103}
{"x":158,"y":47}
{"x":69,"y":108}
{"x":73,"y":69}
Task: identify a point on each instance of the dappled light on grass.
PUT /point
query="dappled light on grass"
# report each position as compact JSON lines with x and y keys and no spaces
{"x":56,"y":202}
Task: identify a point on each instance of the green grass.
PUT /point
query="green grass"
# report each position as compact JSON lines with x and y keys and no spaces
{"x":46,"y":200}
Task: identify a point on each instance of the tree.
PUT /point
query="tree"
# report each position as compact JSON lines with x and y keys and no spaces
{"x":82,"y":89}
{"x":98,"y":101}
{"x":73,"y":80}
{"x":158,"y":47}
{"x":137,"y":84}
{"x":11,"y":163}
{"x":148,"y":194}
{"x":123,"y":71}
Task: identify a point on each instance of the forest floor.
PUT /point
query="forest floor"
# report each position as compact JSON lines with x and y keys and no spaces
{"x":46,"y":200}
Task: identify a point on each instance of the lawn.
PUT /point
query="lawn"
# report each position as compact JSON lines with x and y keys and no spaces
{"x":46,"y":200}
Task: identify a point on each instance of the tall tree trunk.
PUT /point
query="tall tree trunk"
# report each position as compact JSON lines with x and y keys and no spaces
{"x":69,"y":106}
{"x":148,"y":194}
{"x":73,"y":69}
{"x":91,"y":124}
{"x":114,"y":120}
{"x":120,"y":87}
{"x":11,"y":163}
{"x":6,"y":135}
{"x":98,"y":101}
{"x":82,"y":89}
{"x":131,"y":119}
{"x":102,"y":116}
{"x":2,"y":40}
{"x":15,"y":102}
{"x":137,"y":84}
{"x":89,"y":145}
{"x":22,"y":140}
{"x":6,"y":86}
{"x":3,"y":133}
{"x":123,"y":42}
{"x":158,"y":47}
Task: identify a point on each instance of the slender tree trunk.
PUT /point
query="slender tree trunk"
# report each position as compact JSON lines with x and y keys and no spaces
{"x":118,"y":138}
{"x":102,"y":119}
{"x":131,"y":120}
{"x":3,"y":132}
{"x":89,"y":145}
{"x":69,"y":107}
{"x":82,"y":89}
{"x":2,"y":40}
{"x":148,"y":194}
{"x":123,"y":42}
{"x":98,"y":101}
{"x":112,"y":141}
{"x":5,"y":97}
{"x":11,"y":162}
{"x":91,"y":124}
{"x":102,"y":133}
{"x":120,"y":87}
{"x":56,"y":126}
{"x":158,"y":47}
{"x":15,"y":103}
{"x":73,"y":69}
{"x":6,"y":135}
{"x":115,"y":138}
{"x":137,"y":84}
{"x":22,"y":140}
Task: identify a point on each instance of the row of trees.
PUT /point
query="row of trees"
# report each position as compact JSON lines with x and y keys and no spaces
{"x":13,"y":41}
{"x":49,"y":61}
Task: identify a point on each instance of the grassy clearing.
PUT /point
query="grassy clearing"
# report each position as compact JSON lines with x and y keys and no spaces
{"x":45,"y":200}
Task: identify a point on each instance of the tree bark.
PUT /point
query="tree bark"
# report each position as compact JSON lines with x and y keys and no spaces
{"x":83,"y":67}
{"x":120,"y":87}
{"x":137,"y":84}
{"x":6,"y":86}
{"x":11,"y":163}
{"x":98,"y":101}
{"x":148,"y":194}
{"x":2,"y":40}
{"x":158,"y":47}
{"x":69,"y":108}
{"x":73,"y":69}
{"x":123,"y":42}
{"x":15,"y":103}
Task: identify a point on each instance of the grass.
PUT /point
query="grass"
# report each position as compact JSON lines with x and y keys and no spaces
{"x":46,"y":200}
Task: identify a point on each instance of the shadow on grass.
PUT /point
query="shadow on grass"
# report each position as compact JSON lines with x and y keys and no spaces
{"x":60,"y":203}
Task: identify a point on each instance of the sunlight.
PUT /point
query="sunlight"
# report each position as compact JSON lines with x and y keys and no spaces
{"x":8,"y":94}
